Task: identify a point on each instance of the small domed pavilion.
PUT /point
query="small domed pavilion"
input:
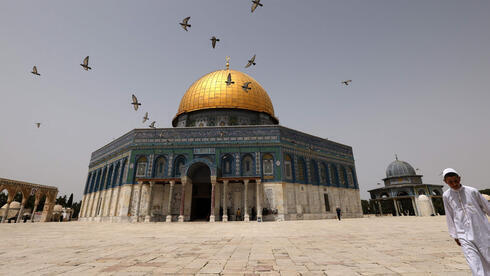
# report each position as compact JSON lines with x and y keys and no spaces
{"x":405,"y":193}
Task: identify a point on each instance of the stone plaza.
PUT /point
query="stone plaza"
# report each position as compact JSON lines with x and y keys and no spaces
{"x":358,"y":246}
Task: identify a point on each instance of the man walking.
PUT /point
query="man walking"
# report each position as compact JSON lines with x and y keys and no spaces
{"x":338,"y":210}
{"x":466,"y":211}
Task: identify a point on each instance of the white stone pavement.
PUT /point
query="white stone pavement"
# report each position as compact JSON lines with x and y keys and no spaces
{"x":367,"y":246}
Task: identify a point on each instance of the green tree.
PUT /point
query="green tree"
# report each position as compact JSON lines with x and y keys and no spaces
{"x":70,"y":201}
{"x":485,"y":191}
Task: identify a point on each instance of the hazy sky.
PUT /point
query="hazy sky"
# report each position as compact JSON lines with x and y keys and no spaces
{"x":420,"y":72}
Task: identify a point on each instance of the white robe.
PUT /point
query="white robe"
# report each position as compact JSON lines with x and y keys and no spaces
{"x":466,"y":211}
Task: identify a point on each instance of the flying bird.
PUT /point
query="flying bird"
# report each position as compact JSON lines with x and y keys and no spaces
{"x":85,"y":64}
{"x":213,"y":41}
{"x":184,"y":23}
{"x":250,"y":62}
{"x":146,"y":118}
{"x":246,"y":87}
{"x":152,"y":125}
{"x":228,"y":80}
{"x":34,"y":71}
{"x":347,"y":82}
{"x":255,"y":4}
{"x":38,"y":125}
{"x":135,"y":102}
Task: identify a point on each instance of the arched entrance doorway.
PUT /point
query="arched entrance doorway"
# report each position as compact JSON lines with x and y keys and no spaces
{"x":200,"y":175}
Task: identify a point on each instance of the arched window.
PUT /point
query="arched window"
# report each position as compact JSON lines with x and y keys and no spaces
{"x":87,"y":184}
{"x":268,"y":164}
{"x":314,"y":172}
{"x":160,"y":165}
{"x":247,"y":165}
{"x":116,"y":173}
{"x":141,"y":167}
{"x":179,"y":165}
{"x":436,"y":192}
{"x":227,"y":164}
{"x":288,"y":167}
{"x":301,"y":170}
{"x":123,"y":170}
{"x":354,"y":177}
{"x":95,"y":181}
{"x":335,"y":174}
{"x":109,"y":177}
{"x":343,"y":177}
{"x":324,"y":174}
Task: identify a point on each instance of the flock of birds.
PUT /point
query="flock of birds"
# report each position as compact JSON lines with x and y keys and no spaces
{"x":185,"y":25}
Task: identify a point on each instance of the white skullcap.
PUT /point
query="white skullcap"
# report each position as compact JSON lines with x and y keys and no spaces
{"x":449,"y":170}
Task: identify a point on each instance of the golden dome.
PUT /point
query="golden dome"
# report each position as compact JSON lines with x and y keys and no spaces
{"x":211,"y":91}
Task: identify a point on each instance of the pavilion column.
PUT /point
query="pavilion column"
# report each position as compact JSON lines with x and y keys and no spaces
{"x":140,"y":184}
{"x":396,"y":207}
{"x":225,"y":207}
{"x":169,"y":203}
{"x":48,"y":206}
{"x":149,"y":202}
{"x":182,"y":200}
{"x":414,"y":205}
{"x":380,"y":207}
{"x":432,"y":206}
{"x":21,"y":210}
{"x":36,"y":202}
{"x":5,"y":215}
{"x":213,"y":185}
{"x":245,"y":202}
{"x":259,"y":205}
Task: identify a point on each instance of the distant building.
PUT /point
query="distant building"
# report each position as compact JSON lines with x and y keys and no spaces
{"x":39,"y":192}
{"x":405,"y":193}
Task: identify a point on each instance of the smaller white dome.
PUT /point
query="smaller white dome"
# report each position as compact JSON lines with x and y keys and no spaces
{"x":13,"y":205}
{"x":57,"y":208}
{"x":423,"y":197}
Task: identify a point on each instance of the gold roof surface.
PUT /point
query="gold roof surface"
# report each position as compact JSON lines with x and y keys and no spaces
{"x":211,"y":91}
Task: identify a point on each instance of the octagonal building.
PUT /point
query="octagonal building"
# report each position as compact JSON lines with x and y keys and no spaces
{"x":225,"y":159}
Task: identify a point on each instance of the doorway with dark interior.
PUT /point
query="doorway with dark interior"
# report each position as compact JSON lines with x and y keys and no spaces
{"x":201,"y":192}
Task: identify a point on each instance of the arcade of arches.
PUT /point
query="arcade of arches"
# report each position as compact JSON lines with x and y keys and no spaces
{"x":27,"y":190}
{"x":196,"y":196}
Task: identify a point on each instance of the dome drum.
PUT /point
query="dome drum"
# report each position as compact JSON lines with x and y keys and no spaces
{"x":223,"y":117}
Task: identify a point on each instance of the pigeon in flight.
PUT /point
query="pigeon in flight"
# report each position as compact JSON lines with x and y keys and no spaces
{"x":34,"y":71}
{"x":85,"y":64}
{"x":38,"y":125}
{"x":213,"y":41}
{"x":152,"y":125}
{"x":184,"y":23}
{"x":146,"y":118}
{"x":228,"y":80}
{"x":246,"y":87}
{"x":347,"y":82}
{"x":255,"y":4}
{"x":250,"y":62}
{"x":135,"y":102}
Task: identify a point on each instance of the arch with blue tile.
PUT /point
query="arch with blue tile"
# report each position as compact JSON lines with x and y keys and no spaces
{"x":212,"y":167}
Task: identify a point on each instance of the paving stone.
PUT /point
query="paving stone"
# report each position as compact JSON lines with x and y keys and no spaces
{"x":367,"y":246}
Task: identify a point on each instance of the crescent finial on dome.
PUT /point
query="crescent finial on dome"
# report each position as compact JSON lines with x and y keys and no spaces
{"x":227,"y":63}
